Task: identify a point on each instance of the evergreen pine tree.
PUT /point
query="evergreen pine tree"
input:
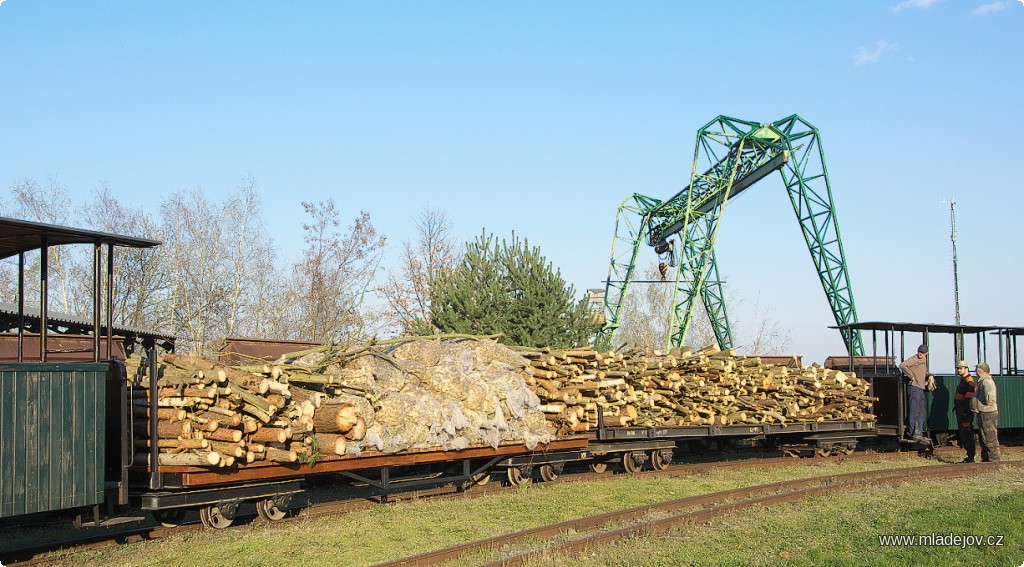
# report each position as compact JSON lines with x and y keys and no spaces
{"x":509,"y":288}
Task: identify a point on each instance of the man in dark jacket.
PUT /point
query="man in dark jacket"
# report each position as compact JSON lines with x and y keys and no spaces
{"x":962,"y":409}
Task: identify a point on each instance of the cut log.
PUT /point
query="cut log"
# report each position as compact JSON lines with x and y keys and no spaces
{"x":281,"y":455}
{"x":173,"y":443}
{"x":200,"y":459}
{"x":335,"y":418}
{"x":228,"y":449}
{"x":271,"y":435}
{"x":358,"y":431}
{"x":224,"y":434}
{"x":331,"y":443}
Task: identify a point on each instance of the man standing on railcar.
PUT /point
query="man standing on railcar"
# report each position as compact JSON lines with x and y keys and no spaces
{"x":962,"y":409}
{"x":916,"y":369}
{"x":984,"y":404}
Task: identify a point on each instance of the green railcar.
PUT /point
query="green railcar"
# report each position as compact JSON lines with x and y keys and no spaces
{"x":52,"y":436}
{"x":1010,"y":390}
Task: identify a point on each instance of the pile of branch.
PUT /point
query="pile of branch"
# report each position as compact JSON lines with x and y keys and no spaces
{"x":389,"y":396}
{"x":706,"y":387}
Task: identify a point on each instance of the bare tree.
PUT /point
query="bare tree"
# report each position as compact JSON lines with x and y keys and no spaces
{"x":335,"y":274}
{"x":644,"y":321}
{"x":50,"y":205}
{"x":197,"y":292}
{"x":217,"y":252}
{"x":141,"y":276}
{"x":767,"y":336}
{"x":273,"y":312}
{"x":250,"y":255}
{"x":647,"y":316}
{"x":407,"y":292}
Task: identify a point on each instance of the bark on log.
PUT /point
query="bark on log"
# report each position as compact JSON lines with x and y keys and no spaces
{"x":281,"y":455}
{"x":331,"y":443}
{"x":335,"y":418}
{"x":200,"y":459}
{"x":270,"y":435}
{"x":224,"y":434}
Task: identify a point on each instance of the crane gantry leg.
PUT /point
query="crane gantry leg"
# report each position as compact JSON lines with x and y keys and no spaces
{"x":807,"y":184}
{"x":631,"y":223}
{"x":714,"y":305}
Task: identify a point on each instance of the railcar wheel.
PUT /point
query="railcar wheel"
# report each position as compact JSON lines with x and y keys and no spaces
{"x":516,"y":476}
{"x":659,"y":461}
{"x":170,"y":518}
{"x":599,"y":467}
{"x":550,"y":472}
{"x":270,"y":510}
{"x":218,"y":517}
{"x":822,"y":452}
{"x":482,"y":479}
{"x":632,"y":461}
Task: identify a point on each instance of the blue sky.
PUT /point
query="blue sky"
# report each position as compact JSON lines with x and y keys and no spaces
{"x":539,"y":117}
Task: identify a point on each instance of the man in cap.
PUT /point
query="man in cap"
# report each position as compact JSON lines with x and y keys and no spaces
{"x":984,"y":404}
{"x":962,"y":409}
{"x":916,"y":369}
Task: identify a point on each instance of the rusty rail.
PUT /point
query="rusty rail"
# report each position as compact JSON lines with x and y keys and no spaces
{"x":719,"y":502}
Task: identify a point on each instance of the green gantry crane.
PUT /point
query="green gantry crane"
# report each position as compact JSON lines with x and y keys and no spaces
{"x":731,"y":155}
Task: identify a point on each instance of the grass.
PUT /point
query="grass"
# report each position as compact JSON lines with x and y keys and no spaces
{"x":814,"y":531}
{"x":844,"y":529}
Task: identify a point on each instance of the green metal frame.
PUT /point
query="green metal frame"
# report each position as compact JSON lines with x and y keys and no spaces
{"x":731,"y":155}
{"x":631,"y":223}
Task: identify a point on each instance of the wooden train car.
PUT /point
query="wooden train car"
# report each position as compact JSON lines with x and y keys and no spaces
{"x":62,"y":423}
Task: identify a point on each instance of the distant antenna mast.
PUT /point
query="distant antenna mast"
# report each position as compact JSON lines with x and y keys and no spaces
{"x":956,"y":273}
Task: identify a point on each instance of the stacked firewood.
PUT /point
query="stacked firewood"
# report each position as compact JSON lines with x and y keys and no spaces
{"x":683,"y":387}
{"x":394,"y":395}
{"x":212,"y":414}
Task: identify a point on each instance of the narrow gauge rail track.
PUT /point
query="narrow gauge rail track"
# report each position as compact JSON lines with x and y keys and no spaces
{"x":685,"y":510}
{"x":35,"y":554}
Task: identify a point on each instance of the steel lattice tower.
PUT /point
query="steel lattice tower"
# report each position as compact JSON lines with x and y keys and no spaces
{"x":730,"y":156}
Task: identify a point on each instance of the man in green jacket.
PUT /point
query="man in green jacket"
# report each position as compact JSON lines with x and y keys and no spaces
{"x":984,"y":405}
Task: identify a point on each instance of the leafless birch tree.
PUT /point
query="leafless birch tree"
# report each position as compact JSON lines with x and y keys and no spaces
{"x":407,"y":290}
{"x":141,"y":276}
{"x":51,"y":205}
{"x":216,"y":252}
{"x":335,"y":274}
